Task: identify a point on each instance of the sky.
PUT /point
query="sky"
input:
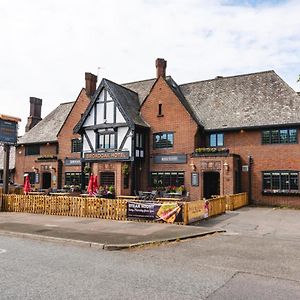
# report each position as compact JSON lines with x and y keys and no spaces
{"x":47,"y":46}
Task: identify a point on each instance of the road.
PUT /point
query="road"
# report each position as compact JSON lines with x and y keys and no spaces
{"x":257,"y":258}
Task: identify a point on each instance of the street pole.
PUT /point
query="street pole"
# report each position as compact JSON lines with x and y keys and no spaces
{"x":6,"y":151}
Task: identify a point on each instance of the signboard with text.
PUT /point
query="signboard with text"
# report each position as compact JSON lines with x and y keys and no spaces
{"x":99,"y":156}
{"x":170,"y":159}
{"x":72,"y":162}
{"x":164,"y":212}
{"x":8,"y":132}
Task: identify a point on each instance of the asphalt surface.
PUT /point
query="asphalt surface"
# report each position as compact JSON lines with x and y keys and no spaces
{"x":257,"y":258}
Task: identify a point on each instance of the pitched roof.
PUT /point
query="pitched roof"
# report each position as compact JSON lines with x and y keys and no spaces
{"x":250,"y":100}
{"x":127,"y":101}
{"x":12,"y":157}
{"x":47,"y":129}
{"x":142,"y":88}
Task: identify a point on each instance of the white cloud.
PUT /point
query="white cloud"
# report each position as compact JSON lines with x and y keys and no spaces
{"x":48,"y":45}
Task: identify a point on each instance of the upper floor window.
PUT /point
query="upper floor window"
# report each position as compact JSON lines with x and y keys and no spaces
{"x":76,"y":145}
{"x":106,"y":140}
{"x":163,"y":140}
{"x":139,"y":145}
{"x":216,"y":140}
{"x":32,"y":150}
{"x":281,"y":182}
{"x":279,"y":136}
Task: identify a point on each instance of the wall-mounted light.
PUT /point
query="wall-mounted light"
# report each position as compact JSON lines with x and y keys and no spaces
{"x":226,"y":166}
{"x":35,"y":169}
{"x":52,"y":168}
{"x":193,"y":166}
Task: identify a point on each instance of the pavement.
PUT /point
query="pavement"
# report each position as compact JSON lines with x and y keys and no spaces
{"x":96,"y":233}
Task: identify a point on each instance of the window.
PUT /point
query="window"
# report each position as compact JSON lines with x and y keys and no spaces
{"x":279,"y":136}
{"x":32,"y":150}
{"x":74,"y":178}
{"x":76,"y":145}
{"x":160,"y":114}
{"x":163,"y":179}
{"x":139,"y":145}
{"x":281,"y":182}
{"x":216,"y":140}
{"x":163,"y":140}
{"x":106,"y":140}
{"x":107,"y":178}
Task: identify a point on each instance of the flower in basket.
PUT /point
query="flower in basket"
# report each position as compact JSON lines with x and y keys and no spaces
{"x":111,"y":189}
{"x":181,"y":189}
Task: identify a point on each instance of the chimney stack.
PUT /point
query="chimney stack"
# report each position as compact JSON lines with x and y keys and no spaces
{"x":161,"y":66}
{"x":35,"y":113}
{"x":90,"y":84}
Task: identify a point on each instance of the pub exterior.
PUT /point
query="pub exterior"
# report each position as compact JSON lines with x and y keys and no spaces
{"x":212,"y":137}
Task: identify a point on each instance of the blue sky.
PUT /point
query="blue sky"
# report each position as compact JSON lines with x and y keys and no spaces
{"x":49,"y":44}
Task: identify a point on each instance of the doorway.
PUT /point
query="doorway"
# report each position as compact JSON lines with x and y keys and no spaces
{"x":46,"y":182}
{"x":211,"y":184}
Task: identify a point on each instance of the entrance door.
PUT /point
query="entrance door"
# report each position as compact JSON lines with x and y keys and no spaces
{"x":211,"y":184}
{"x":46,"y":183}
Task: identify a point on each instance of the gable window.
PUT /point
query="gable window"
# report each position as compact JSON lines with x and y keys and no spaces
{"x":281,"y":182}
{"x":216,"y":140}
{"x":160,"y":114}
{"x":279,"y":136}
{"x":139,"y":145}
{"x":107,"y":140}
{"x":76,"y":145}
{"x":32,"y":150}
{"x":163,"y":140}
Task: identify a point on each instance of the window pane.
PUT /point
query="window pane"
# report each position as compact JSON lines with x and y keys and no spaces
{"x":167,"y":179}
{"x":267,"y":181}
{"x":163,"y":140}
{"x":101,"y":141}
{"x":112,"y":141}
{"x":284,"y":181}
{"x":170,"y":140}
{"x":275,"y":181}
{"x":294,"y":182}
{"x":220,"y":139}
{"x":284,"y":138}
{"x":213,"y":140}
{"x":275,"y":136}
{"x":266,"y":137}
{"x":137,"y":140}
{"x":293,"y":136}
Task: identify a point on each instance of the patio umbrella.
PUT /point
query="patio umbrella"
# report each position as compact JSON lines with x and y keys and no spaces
{"x":91,"y":184}
{"x":95,"y":185}
{"x":27,"y":187}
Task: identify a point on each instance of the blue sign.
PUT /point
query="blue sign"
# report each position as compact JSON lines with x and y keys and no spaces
{"x":8,"y":132}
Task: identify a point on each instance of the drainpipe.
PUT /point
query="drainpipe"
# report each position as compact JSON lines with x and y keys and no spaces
{"x":250,"y":162}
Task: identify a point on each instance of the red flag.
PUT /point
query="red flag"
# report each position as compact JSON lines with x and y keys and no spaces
{"x":27,"y":187}
{"x":95,"y":185}
{"x":91,"y":185}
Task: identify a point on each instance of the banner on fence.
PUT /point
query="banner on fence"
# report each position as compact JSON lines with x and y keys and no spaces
{"x":167,"y":212}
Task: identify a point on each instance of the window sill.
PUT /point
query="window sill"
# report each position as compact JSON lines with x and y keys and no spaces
{"x":281,"y":193}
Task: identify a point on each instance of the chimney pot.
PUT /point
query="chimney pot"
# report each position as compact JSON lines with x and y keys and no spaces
{"x":90,"y":84}
{"x":161,"y":66}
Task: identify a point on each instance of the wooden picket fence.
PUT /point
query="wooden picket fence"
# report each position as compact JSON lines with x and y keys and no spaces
{"x":113,"y":209}
{"x":236,"y":201}
{"x":66,"y":206}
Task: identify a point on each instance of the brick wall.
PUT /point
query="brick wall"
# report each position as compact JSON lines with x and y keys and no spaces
{"x":66,"y":134}
{"x":265,"y":158}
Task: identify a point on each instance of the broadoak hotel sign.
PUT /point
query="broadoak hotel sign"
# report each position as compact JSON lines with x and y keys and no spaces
{"x":98,"y":156}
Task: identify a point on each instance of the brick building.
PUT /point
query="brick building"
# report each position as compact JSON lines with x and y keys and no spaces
{"x":49,"y":151}
{"x":219,"y":136}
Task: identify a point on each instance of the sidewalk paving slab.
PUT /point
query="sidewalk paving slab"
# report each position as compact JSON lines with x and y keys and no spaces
{"x":96,"y":233}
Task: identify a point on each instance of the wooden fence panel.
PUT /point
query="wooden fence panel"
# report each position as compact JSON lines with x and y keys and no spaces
{"x":236,"y":201}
